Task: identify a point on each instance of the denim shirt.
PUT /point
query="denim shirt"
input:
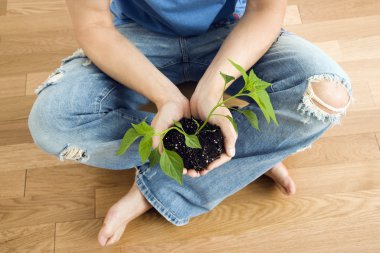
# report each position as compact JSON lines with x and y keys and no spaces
{"x":176,"y":17}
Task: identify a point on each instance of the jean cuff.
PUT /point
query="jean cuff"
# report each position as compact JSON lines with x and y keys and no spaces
{"x":156,"y":203}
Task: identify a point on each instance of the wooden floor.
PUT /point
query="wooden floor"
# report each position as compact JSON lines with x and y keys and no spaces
{"x":52,"y":206}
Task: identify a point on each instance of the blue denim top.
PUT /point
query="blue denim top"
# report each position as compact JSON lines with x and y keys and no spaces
{"x":176,"y":17}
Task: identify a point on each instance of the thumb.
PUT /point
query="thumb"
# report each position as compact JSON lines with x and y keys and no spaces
{"x":158,"y":126}
{"x":229,"y":136}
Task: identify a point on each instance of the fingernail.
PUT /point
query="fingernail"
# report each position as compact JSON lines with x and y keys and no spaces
{"x":231,"y":152}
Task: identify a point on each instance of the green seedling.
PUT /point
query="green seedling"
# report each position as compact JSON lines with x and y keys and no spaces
{"x":170,"y":162}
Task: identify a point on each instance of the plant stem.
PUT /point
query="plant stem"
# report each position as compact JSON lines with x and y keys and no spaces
{"x":213,"y":109}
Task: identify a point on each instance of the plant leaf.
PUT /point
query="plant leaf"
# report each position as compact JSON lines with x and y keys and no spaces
{"x":226,"y":77}
{"x":172,"y":165}
{"x":154,"y":157}
{"x":265,"y":99}
{"x":179,"y":125}
{"x":145,"y":147}
{"x":129,"y":137}
{"x":249,"y":84}
{"x":232,"y":122}
{"x":192,"y":141}
{"x":257,"y":99}
{"x":252,"y":118}
{"x":143,"y":128}
{"x":257,"y":83}
{"x":241,"y":70}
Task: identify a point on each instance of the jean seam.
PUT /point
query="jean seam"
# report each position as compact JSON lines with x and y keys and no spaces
{"x":127,"y":116}
{"x":169,"y":64}
{"x":102,"y":96}
{"x":164,"y":211}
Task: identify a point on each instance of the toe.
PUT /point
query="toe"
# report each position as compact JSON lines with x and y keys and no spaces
{"x":104,"y":234}
{"x":280,"y":175}
{"x":117,"y":235}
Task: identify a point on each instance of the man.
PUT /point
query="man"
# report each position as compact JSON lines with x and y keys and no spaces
{"x":142,"y":54}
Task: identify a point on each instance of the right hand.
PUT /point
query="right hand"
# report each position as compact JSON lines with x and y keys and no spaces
{"x":172,"y":108}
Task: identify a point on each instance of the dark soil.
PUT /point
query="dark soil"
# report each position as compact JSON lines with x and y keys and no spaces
{"x":210,"y":138}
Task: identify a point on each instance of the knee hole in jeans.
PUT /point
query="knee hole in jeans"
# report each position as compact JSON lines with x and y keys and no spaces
{"x":327,"y":97}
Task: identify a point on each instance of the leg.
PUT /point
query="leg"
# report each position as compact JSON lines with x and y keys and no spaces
{"x":81,"y":114}
{"x":297,"y":70}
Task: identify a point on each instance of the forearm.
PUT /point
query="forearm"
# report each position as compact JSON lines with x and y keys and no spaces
{"x":120,"y":59}
{"x":247,"y":42}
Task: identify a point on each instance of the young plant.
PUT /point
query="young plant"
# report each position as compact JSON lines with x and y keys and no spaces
{"x":170,"y":161}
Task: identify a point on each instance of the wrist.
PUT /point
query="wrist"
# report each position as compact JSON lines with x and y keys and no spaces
{"x":168,"y":94}
{"x":208,"y":91}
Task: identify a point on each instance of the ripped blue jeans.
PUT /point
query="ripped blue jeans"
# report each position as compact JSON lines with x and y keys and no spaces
{"x":81,"y":114}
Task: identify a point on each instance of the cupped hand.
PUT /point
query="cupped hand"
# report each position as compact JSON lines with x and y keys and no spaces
{"x":172,"y":108}
{"x":201,"y":103}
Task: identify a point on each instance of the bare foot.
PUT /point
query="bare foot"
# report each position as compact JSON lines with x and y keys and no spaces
{"x":279,"y":174}
{"x":129,"y":207}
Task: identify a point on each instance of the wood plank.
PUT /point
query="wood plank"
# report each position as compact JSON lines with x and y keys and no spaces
{"x":12,"y":184}
{"x":78,"y":177}
{"x":338,"y":29}
{"x":22,"y":7}
{"x":80,"y":236}
{"x":292,"y":15}
{"x":48,"y":208}
{"x":3,"y":7}
{"x":331,"y":48}
{"x":12,"y":86}
{"x":27,"y":156}
{"x":14,"y":132}
{"x":363,"y":70}
{"x":106,"y":197}
{"x":378,"y":138}
{"x":41,"y":22}
{"x":337,"y":149}
{"x":322,"y":10}
{"x":321,"y":236}
{"x":15,"y":108}
{"x":357,"y":122}
{"x":37,"y":43}
{"x":231,"y":218}
{"x":39,"y":238}
{"x":363,"y":96}
{"x":359,"y":49}
{"x":21,"y":64}
{"x":375,"y":92}
{"x":33,"y":80}
{"x":336,"y":178}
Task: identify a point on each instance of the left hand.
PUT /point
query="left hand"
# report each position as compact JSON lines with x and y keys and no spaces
{"x":201,"y":103}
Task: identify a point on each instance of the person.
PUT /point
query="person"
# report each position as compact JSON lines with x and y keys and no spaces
{"x":135,"y":51}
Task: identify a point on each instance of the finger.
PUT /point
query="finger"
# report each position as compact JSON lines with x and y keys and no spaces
{"x":187,"y":112}
{"x":216,"y":163}
{"x":193,"y":173}
{"x":184,"y":171}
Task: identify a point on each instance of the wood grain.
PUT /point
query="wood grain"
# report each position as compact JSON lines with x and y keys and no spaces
{"x":47,"y":205}
{"x":14,"y":132}
{"x":75,"y":177}
{"x":337,"y":149}
{"x":27,"y":156}
{"x":33,"y":80}
{"x":12,"y":184}
{"x":38,"y":239}
{"x":12,"y":86}
{"x":48,"y":208}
